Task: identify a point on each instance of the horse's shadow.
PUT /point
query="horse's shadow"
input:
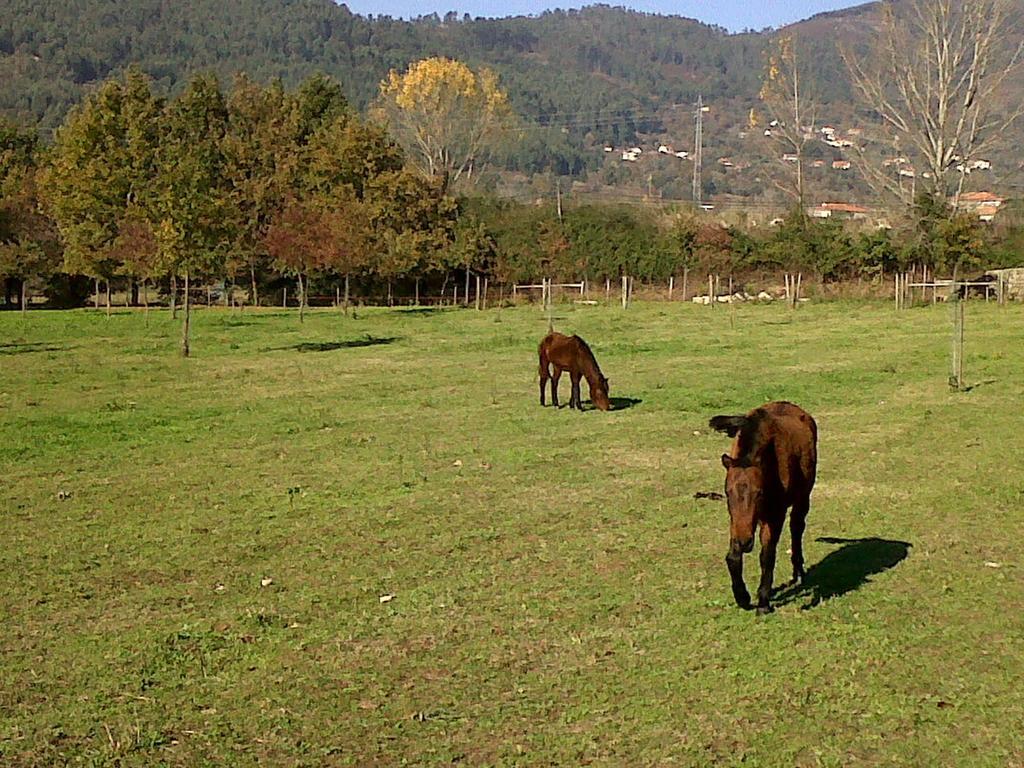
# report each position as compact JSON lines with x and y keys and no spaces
{"x":843,"y":570}
{"x":622,"y":403}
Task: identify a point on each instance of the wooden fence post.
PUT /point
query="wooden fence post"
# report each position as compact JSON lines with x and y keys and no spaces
{"x":956,"y":376}
{"x":671,"y":285}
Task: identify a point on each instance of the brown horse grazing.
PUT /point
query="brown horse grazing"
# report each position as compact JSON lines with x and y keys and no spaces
{"x":771,"y":467}
{"x":571,"y":353}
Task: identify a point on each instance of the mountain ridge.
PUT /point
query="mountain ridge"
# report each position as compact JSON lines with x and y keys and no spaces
{"x":580,"y":79}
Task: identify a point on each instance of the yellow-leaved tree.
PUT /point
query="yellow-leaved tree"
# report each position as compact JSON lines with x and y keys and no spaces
{"x":445,"y":116}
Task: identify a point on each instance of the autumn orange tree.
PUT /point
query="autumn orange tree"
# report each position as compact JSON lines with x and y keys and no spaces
{"x":294,"y":242}
{"x":314,"y":236}
{"x":135,"y":251}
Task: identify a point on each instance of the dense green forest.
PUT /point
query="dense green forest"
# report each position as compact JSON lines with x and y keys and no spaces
{"x":591,"y":62}
{"x":578,"y":79}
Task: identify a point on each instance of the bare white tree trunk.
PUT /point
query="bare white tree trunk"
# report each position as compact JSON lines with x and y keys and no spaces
{"x":933,"y":78}
{"x":788,"y":106}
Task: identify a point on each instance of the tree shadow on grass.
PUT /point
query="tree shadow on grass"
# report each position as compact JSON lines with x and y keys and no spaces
{"x":36,"y":346}
{"x":331,"y":346}
{"x":843,"y":570}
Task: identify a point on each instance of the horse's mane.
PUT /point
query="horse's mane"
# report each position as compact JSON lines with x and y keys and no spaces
{"x":589,"y":357}
{"x":752,"y":436}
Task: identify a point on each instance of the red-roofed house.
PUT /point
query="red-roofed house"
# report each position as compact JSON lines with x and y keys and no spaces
{"x":985,"y":204}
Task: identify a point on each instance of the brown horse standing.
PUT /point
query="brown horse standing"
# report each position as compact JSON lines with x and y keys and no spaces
{"x":571,"y":353}
{"x":771,"y":467}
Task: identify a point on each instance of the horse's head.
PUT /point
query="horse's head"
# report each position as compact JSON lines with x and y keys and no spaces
{"x":599,"y":395}
{"x":744,"y":489}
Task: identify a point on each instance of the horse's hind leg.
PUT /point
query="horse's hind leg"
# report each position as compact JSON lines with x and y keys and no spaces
{"x":545,"y":374}
{"x":769,"y":544}
{"x":797,"y":522}
{"x":554,"y":386}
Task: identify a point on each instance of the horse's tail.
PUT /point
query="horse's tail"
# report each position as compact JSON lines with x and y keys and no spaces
{"x":551,"y":324}
{"x":731,"y":425}
{"x":542,"y":353}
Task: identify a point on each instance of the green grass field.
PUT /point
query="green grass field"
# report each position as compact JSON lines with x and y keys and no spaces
{"x":195,"y":551}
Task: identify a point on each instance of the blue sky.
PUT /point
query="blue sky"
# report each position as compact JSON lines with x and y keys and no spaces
{"x":731,"y":14}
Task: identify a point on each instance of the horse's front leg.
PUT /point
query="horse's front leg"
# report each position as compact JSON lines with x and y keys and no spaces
{"x":734,"y":561}
{"x":769,"y":544}
{"x":554,"y":386}
{"x":576,"y":399}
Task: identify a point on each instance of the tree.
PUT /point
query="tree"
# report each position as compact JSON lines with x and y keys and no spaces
{"x":444,"y":115}
{"x":346,"y":153}
{"x":941,"y":238}
{"x":28,"y":241}
{"x":193,"y":201}
{"x":933,"y":77}
{"x":29,"y":248}
{"x":103,"y":161}
{"x":411,"y":222}
{"x":294,"y":241}
{"x":135,"y":250}
{"x":258,"y":153}
{"x":789,"y":111}
{"x":344,"y":252}
{"x":474,"y":247}
{"x":318,"y":102}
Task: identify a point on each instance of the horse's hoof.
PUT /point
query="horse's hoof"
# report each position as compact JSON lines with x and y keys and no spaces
{"x":764,"y":610}
{"x":743,"y":602}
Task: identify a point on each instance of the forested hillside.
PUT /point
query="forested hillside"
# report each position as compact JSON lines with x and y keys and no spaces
{"x":579,"y":80}
{"x":596,"y":59}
